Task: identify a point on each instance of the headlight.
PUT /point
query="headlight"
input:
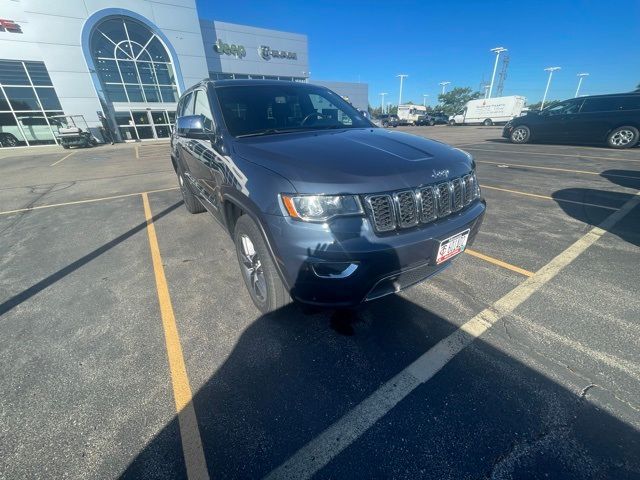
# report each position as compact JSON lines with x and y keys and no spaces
{"x":319,"y":208}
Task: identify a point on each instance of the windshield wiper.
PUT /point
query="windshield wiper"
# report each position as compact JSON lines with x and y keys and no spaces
{"x":270,"y":131}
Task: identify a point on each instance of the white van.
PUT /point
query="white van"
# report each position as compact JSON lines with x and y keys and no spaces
{"x":488,"y":111}
{"x":410,"y":114}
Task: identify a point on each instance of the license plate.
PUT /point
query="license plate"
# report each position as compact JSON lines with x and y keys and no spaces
{"x":452,"y":246}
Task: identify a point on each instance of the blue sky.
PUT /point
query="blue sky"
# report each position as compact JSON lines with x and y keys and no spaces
{"x":374,"y":40}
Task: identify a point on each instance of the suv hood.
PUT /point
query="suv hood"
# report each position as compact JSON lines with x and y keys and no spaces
{"x":354,"y":160}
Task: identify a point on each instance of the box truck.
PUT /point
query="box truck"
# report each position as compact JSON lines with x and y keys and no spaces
{"x":411,"y":114}
{"x":488,"y":111}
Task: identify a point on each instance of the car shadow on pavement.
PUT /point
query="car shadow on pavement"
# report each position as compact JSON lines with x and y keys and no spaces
{"x":628,"y":229}
{"x":486,"y":415}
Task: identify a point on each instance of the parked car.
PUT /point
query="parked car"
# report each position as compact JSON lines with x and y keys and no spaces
{"x":601,"y":119}
{"x":426,"y":119}
{"x":440,"y":118}
{"x":323,"y":206}
{"x":386,"y":120}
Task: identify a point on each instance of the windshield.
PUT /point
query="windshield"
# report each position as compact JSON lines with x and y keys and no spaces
{"x":272,"y":109}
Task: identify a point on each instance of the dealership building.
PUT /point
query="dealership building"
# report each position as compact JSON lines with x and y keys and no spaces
{"x":123,"y":64}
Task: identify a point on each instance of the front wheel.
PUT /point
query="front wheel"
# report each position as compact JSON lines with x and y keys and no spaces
{"x":431,"y":123}
{"x":452,"y":122}
{"x":385,"y":124}
{"x":487,"y":123}
{"x":520,"y":134}
{"x":261,"y":278}
{"x":623,"y":137}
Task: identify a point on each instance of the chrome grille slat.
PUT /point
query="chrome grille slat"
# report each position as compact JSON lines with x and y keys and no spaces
{"x":408,"y":208}
{"x":382,"y":211}
{"x":428,"y":211}
{"x":406,"y":203}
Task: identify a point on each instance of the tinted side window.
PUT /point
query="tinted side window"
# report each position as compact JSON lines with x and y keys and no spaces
{"x":611,"y":104}
{"x":202,"y":107}
{"x":186,"y":105}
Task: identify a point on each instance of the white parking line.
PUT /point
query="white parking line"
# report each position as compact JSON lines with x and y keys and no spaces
{"x":550,"y":154}
{"x":321,"y":450}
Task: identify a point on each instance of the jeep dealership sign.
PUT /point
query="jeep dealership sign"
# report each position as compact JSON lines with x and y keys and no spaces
{"x":267,"y":53}
{"x":237,"y":51}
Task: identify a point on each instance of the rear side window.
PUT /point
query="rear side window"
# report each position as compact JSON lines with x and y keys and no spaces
{"x":611,"y":104}
{"x":186,"y":105}
{"x":201,"y":107}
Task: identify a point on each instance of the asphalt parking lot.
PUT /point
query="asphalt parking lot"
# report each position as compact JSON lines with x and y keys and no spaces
{"x":130,"y":347}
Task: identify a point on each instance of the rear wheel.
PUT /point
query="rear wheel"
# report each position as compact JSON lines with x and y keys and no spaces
{"x":623,"y":137}
{"x":191,"y":202}
{"x":432,"y":123}
{"x":487,"y":123}
{"x":452,"y":122}
{"x":261,"y":278}
{"x":520,"y":134}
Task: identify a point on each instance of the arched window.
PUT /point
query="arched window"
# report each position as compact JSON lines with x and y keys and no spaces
{"x":132,"y":63}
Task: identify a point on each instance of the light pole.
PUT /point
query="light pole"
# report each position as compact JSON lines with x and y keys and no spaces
{"x":498,"y":51}
{"x":402,"y":77}
{"x":424,"y":99}
{"x":580,"y":77}
{"x":444,"y":85}
{"x":486,"y":91}
{"x":550,"y":70}
{"x":382,"y":94}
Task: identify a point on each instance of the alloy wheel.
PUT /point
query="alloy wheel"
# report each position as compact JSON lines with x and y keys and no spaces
{"x":519,"y":135}
{"x":622,"y":138}
{"x":252,"y":268}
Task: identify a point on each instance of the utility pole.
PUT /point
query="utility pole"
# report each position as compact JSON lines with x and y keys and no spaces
{"x":382,"y":101}
{"x":546,"y":90}
{"x":444,"y":85}
{"x":486,"y":91}
{"x":402,"y":76}
{"x":498,"y":51}
{"x":502,"y":76}
{"x":580,"y":77}
{"x":424,"y":99}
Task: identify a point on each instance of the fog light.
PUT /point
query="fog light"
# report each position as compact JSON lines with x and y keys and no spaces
{"x":334,"y":269}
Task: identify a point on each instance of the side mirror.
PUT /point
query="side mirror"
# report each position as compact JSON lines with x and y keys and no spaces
{"x":192,"y":126}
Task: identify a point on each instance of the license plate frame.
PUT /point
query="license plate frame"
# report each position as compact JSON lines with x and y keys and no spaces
{"x":452,"y":246}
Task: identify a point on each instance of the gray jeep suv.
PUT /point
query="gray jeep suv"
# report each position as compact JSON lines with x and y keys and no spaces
{"x":323,"y":206}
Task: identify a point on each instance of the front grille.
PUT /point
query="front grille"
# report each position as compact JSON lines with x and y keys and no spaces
{"x":382,"y":212}
{"x":408,"y":208}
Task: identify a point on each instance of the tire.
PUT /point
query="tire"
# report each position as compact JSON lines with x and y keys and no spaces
{"x":520,"y":134}
{"x":488,"y":122}
{"x":66,"y":147}
{"x":265,"y":287}
{"x":452,"y":123}
{"x":191,"y":201}
{"x":385,"y":124}
{"x":623,"y":137}
{"x":431,"y":123}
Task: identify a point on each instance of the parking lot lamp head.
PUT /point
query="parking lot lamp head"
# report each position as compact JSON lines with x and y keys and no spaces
{"x":497,"y":51}
{"x":546,"y":90}
{"x":580,"y":77}
{"x":444,"y":86}
{"x":402,"y":77}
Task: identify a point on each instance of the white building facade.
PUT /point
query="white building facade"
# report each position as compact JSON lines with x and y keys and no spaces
{"x":126,"y":61}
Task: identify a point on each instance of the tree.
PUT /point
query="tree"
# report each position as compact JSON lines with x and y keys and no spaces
{"x":451,"y":102}
{"x":547,"y":103}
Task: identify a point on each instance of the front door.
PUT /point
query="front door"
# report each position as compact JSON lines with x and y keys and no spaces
{"x":556,"y":123}
{"x":144,"y":124}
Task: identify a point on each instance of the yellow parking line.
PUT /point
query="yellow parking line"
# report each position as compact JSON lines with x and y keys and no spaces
{"x":90,"y":200}
{"x":554,"y":154}
{"x":583,"y":172}
{"x":189,"y":431}
{"x":63,"y":158}
{"x":499,"y":263}
{"x":561,"y":200}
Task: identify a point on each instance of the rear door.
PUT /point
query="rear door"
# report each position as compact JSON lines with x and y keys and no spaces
{"x":599,"y":115}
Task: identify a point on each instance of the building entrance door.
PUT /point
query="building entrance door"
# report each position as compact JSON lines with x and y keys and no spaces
{"x":145,"y":124}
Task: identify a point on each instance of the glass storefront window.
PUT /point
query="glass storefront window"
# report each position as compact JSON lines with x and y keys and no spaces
{"x":145,"y":133}
{"x":128,"y":53}
{"x":10,"y":134}
{"x":26,"y":101}
{"x":140,"y":117}
{"x":159,"y":117}
{"x":48,"y":98}
{"x":22,"y":98}
{"x":163,"y":131}
{"x":128,"y":133}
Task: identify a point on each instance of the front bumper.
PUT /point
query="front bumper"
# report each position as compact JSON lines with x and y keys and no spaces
{"x":385,"y":263}
{"x":506,"y":131}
